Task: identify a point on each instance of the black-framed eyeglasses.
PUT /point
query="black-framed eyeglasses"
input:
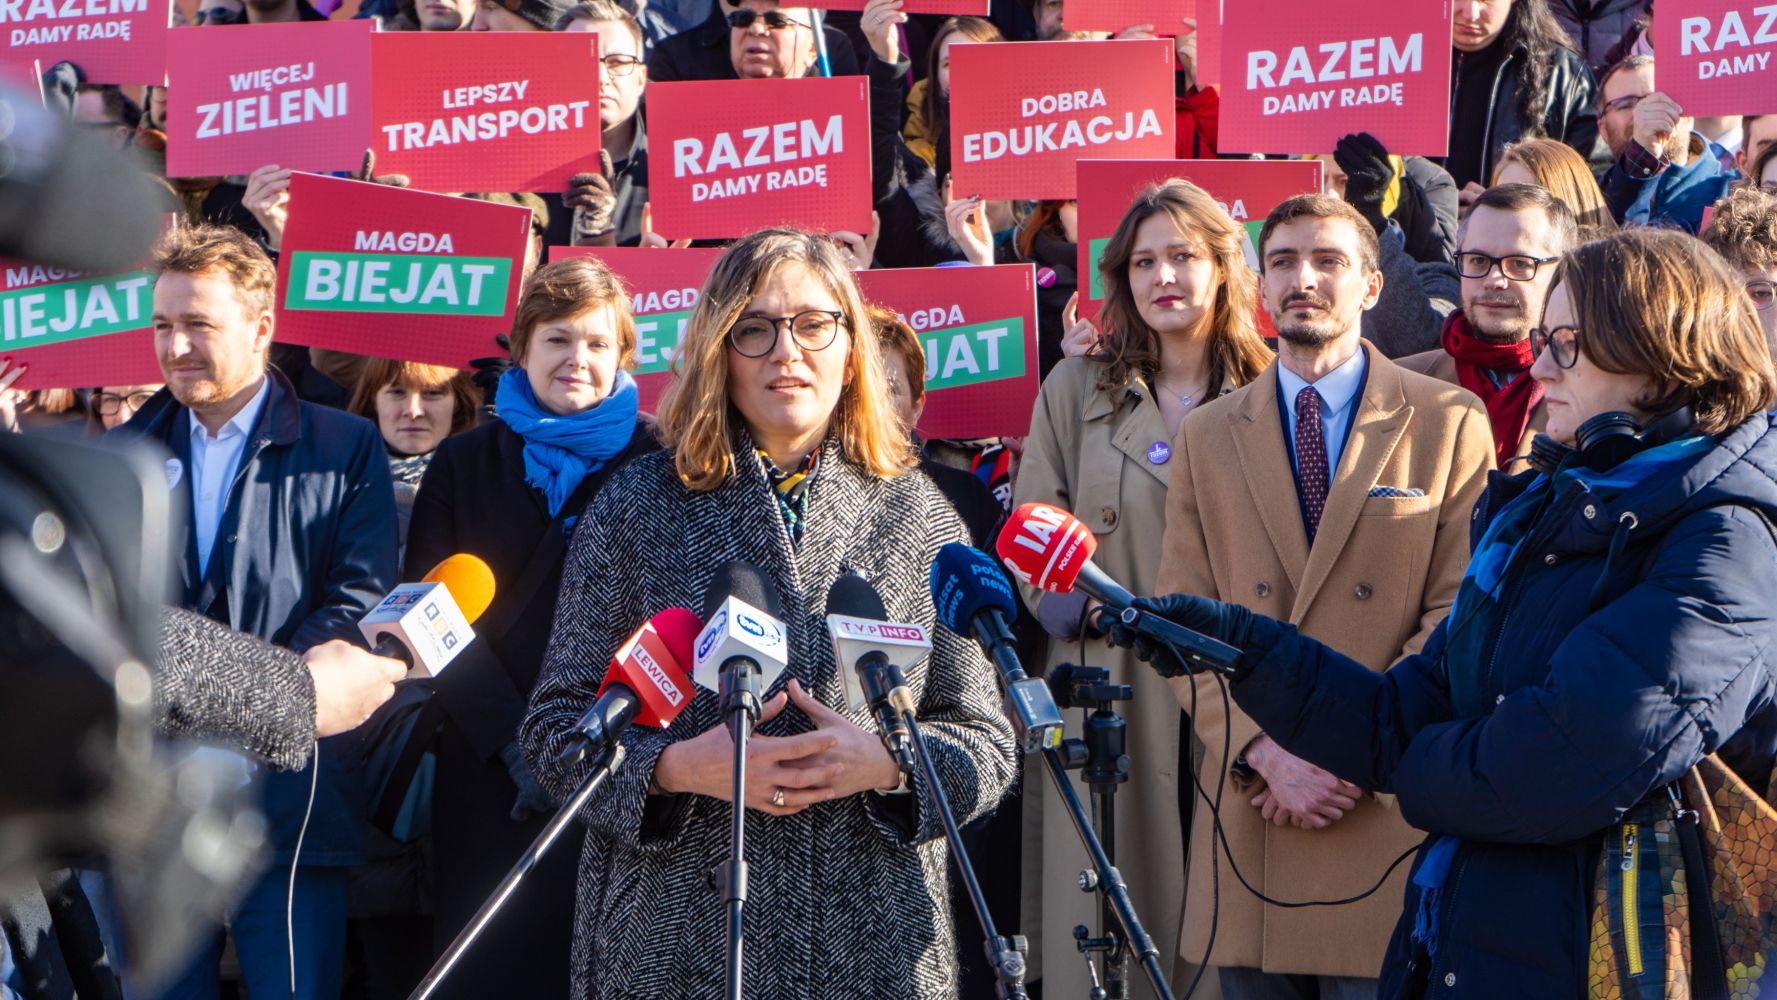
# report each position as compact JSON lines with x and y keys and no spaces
{"x":1762,"y":292}
{"x":776,"y":20}
{"x":1562,"y":343}
{"x":1516,"y":266}
{"x":1625,"y":103}
{"x":109,"y":404}
{"x":814,"y":330}
{"x":621,"y":66}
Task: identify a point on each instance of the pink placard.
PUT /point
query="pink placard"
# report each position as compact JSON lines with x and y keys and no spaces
{"x":486,"y":111}
{"x":1718,"y":57}
{"x":297,"y":95}
{"x":1302,"y":73}
{"x":1022,"y":113}
{"x":112,"y":41}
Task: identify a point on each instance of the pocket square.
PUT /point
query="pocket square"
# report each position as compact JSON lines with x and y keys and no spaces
{"x":1396,"y":492}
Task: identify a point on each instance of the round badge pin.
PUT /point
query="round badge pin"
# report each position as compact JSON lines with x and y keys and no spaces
{"x":1159,"y":453}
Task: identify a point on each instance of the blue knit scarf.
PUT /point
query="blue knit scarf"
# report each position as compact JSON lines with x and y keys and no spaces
{"x":560,"y":451}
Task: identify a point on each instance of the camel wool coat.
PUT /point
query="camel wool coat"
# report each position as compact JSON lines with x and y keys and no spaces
{"x":1441,"y":366}
{"x":1382,"y":573}
{"x":1089,"y":452}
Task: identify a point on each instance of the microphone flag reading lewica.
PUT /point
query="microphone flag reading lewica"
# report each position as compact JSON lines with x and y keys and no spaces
{"x":112,"y":41}
{"x":1246,"y":189}
{"x":401,"y":274}
{"x":485,"y":110}
{"x":1299,"y":74}
{"x":733,"y":156}
{"x":1022,"y":113}
{"x":297,"y":95}
{"x":664,"y":286}
{"x":75,"y":330}
{"x":978,"y":328}
{"x":1718,"y":57}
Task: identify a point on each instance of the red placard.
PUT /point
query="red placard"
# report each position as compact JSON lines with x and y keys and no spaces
{"x":297,"y":95}
{"x":1247,"y":189}
{"x":732,"y":156}
{"x":1022,"y":113}
{"x":1302,"y":73}
{"x":1167,"y":16}
{"x":395,"y":273}
{"x":74,"y":330}
{"x":1723,"y":55}
{"x":664,"y":286}
{"x":112,"y":41}
{"x":978,"y":326}
{"x":1209,"y":42}
{"x":486,"y":110}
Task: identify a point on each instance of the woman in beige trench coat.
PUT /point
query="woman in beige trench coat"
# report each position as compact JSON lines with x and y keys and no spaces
{"x":1177,"y":329}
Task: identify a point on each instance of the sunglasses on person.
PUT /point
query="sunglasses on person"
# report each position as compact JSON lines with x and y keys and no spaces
{"x":813,"y":330}
{"x":1517,"y":266}
{"x":1762,"y":292}
{"x":219,"y":15}
{"x":621,"y":66}
{"x":775,"y":20}
{"x":1562,"y":343}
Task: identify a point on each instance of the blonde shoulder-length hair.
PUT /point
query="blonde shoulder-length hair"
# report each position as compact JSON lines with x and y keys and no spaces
{"x":697,"y":419}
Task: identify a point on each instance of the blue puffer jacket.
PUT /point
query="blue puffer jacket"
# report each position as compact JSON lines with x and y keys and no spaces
{"x":1579,"y":715}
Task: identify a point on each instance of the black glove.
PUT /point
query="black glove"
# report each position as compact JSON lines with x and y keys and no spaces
{"x":594,"y":201}
{"x":1367,"y":175}
{"x":1229,"y":623}
{"x":532,"y":800}
{"x":489,"y":370}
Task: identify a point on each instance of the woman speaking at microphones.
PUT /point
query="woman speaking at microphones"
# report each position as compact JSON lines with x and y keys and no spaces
{"x":1615,"y":628}
{"x":783,"y":451}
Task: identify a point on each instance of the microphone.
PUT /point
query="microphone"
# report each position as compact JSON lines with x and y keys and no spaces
{"x":426,"y":624}
{"x":742,"y":628}
{"x":645,"y":685}
{"x":1049,"y":549}
{"x":862,"y":639}
{"x":974,"y":599}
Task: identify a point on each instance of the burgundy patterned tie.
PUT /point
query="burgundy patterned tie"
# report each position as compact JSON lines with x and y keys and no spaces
{"x":1311,"y":458}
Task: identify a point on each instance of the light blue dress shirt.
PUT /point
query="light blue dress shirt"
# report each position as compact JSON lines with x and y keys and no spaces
{"x":1338,"y":404}
{"x":214,"y":462}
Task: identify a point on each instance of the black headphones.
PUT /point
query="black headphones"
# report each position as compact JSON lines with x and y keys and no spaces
{"x":1605,"y":441}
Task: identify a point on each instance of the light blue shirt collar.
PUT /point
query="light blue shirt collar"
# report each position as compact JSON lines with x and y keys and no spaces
{"x":1338,"y":396}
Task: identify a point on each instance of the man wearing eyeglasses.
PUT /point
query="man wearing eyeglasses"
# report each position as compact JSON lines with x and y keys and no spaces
{"x":1664,"y":172}
{"x":751,"y":40}
{"x":1506,"y":254}
{"x":607,"y":211}
{"x":1744,"y":231}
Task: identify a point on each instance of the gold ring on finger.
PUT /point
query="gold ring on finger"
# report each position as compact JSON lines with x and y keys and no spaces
{"x":777,"y":798}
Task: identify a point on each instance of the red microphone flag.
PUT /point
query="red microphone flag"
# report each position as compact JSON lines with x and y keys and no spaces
{"x":1045,"y":547}
{"x":650,"y":664}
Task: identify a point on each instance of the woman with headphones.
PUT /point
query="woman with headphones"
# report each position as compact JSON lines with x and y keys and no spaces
{"x":1615,"y":629}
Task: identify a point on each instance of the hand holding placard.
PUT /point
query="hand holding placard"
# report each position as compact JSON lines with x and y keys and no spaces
{"x":268,"y":199}
{"x":881,"y":20}
{"x":1657,"y":117}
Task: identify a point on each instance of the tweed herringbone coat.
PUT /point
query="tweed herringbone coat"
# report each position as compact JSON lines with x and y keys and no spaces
{"x":848,"y":899}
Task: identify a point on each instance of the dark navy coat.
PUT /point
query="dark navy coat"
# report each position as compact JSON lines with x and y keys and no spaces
{"x":1590,"y":711}
{"x":305,"y":548}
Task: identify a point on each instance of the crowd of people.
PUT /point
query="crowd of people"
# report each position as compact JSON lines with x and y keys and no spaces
{"x":1475,"y":465}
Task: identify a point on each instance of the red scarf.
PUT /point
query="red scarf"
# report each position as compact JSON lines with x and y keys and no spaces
{"x":1509,"y":406}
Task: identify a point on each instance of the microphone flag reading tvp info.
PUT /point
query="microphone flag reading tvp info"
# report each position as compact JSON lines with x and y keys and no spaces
{"x":426,"y":624}
{"x":859,"y":626}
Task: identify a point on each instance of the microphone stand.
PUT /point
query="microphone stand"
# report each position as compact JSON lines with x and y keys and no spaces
{"x":607,"y":763}
{"x":740,"y":708}
{"x":1005,"y":954}
{"x":1104,"y":765}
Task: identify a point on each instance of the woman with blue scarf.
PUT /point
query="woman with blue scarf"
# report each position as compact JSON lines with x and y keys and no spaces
{"x":511,"y":492}
{"x":1617,"y":625}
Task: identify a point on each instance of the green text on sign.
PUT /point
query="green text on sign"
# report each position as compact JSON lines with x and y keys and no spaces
{"x":658,"y":336}
{"x":979,"y":352}
{"x":74,"y":310}
{"x":398,"y":283}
